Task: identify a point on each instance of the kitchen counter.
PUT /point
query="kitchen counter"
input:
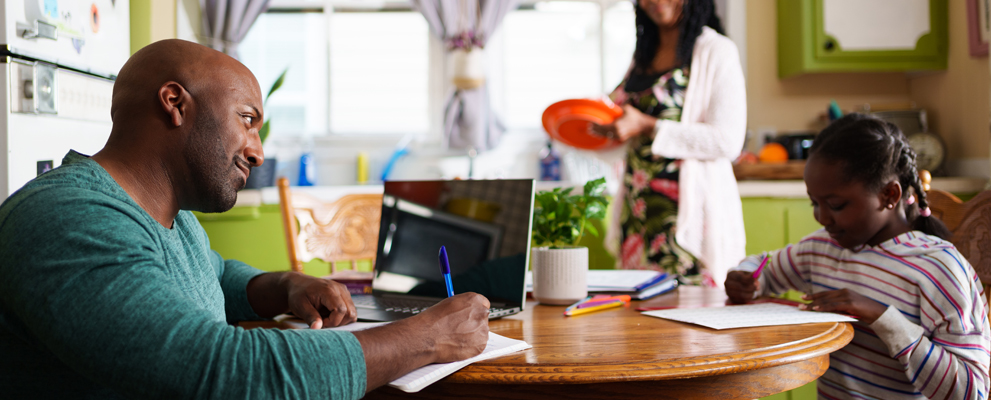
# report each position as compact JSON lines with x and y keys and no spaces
{"x":270,"y":195}
{"x":796,"y":188}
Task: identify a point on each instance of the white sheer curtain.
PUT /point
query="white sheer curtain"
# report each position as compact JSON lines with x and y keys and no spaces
{"x":465,"y":24}
{"x":226,"y":22}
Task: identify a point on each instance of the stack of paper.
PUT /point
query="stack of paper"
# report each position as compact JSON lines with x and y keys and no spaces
{"x":412,"y":382}
{"x":639,"y":284}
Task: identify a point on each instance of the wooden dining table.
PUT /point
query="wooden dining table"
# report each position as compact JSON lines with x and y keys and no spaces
{"x":621,"y":354}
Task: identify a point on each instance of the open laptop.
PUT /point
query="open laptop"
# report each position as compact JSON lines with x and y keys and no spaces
{"x":484,"y":226}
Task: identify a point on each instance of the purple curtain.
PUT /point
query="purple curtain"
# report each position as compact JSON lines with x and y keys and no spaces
{"x":226,"y":22}
{"x":468,"y":118}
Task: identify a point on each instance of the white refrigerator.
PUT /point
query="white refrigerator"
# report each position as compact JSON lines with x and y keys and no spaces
{"x":59,"y":59}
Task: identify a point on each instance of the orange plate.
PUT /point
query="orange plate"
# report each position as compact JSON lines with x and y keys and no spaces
{"x":569,"y":122}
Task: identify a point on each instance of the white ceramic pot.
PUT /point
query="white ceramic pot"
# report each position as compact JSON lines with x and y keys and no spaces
{"x":559,"y":275}
{"x":468,"y":68}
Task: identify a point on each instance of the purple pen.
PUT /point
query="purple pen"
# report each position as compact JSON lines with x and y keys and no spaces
{"x":445,"y":269}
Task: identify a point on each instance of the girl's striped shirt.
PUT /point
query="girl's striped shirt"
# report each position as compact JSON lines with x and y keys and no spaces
{"x":933,"y":340}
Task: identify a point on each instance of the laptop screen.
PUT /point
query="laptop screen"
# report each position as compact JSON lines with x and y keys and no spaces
{"x":483,"y":224}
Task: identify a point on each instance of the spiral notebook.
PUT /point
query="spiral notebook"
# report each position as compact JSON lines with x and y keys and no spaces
{"x":415,"y":381}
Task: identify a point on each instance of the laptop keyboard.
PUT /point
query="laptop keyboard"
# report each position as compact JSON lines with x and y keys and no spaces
{"x":397,"y":305}
{"x":410,"y":306}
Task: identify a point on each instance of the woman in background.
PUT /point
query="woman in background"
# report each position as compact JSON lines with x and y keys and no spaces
{"x":685,"y":116}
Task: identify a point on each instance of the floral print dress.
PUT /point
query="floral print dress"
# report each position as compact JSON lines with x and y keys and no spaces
{"x":650,"y":208}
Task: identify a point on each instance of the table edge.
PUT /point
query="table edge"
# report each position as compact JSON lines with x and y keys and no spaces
{"x":834,"y":338}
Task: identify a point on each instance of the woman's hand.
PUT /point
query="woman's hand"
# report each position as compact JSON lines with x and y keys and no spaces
{"x":845,"y":301}
{"x":740,"y":286}
{"x":632,"y":123}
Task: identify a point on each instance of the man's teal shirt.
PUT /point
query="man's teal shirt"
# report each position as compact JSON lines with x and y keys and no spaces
{"x":99,"y":300}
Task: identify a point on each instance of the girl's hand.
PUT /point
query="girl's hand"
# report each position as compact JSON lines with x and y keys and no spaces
{"x":844,"y":301}
{"x":740,"y":286}
{"x":632,"y":123}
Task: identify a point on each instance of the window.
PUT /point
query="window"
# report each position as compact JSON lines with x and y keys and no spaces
{"x":286,"y":40}
{"x":556,"y":50}
{"x":378,"y":72}
{"x":351,"y":71}
{"x":372,"y":70}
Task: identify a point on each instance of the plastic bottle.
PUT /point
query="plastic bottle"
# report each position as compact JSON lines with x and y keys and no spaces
{"x":307,"y":169}
{"x":550,"y":164}
{"x":362,"y":168}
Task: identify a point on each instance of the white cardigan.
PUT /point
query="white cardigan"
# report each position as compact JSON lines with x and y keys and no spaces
{"x":709,"y":136}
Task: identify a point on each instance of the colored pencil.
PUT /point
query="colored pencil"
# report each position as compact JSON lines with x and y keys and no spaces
{"x":761,"y":267}
{"x":579,"y":311}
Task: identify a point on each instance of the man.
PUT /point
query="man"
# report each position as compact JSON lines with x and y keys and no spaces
{"x":108,"y":287}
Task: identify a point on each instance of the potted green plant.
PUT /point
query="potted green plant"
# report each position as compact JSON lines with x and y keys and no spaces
{"x":560,"y":219}
{"x":264,"y":175}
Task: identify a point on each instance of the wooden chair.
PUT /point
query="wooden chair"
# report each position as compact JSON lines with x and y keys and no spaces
{"x":344,"y":230}
{"x":969,"y":222}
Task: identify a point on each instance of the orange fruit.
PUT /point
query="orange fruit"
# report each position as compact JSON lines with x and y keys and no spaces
{"x":773,"y":153}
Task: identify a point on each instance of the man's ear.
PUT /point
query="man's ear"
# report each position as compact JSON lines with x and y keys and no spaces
{"x":891,"y":193}
{"x":175,"y":101}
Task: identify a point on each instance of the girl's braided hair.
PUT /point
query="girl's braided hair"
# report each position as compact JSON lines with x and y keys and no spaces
{"x":873,"y":151}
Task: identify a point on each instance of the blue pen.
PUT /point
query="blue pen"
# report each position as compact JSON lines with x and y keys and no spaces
{"x":445,"y":268}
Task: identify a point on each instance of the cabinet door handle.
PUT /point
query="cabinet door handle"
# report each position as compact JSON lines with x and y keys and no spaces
{"x":829,"y":45}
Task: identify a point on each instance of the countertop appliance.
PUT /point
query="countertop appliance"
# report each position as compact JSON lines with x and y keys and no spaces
{"x":797,"y":144}
{"x":59,"y":59}
{"x":930,"y":150}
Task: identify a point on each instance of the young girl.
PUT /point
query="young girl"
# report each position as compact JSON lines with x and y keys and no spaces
{"x":923,"y":317}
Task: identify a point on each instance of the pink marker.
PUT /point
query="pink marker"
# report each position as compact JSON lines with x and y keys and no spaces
{"x":761,"y":267}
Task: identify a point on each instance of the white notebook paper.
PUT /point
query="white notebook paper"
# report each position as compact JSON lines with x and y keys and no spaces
{"x":747,"y":315}
{"x":497,"y":346}
{"x":413,"y":382}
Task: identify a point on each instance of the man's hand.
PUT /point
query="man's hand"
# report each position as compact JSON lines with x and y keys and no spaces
{"x":632,"y":123}
{"x":845,"y":301}
{"x":454,"y":329}
{"x":319,"y":302}
{"x":460,"y":325}
{"x":740,"y":286}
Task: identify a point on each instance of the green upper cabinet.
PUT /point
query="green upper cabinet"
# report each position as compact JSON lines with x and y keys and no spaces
{"x":861,"y":36}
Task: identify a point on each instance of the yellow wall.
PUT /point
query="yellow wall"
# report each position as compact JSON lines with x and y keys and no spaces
{"x":151,"y":21}
{"x":957,"y":99}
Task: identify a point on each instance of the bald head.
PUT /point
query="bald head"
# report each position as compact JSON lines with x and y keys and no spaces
{"x":199,"y":69}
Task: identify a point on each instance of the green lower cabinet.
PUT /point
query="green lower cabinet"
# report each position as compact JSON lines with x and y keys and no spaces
{"x":799,"y":220}
{"x":770,"y":224}
{"x":254,"y":235}
{"x":598,"y":256}
{"x":805,"y":392}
